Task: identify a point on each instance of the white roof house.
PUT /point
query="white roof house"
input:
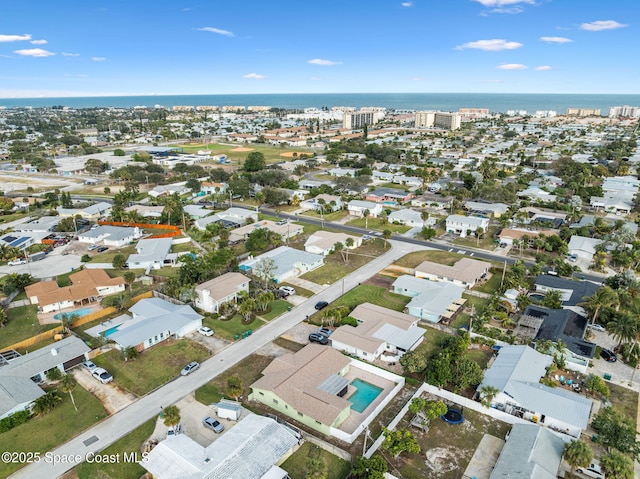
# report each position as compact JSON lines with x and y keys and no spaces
{"x":288,"y":262}
{"x":357,"y":207}
{"x":379,"y":330}
{"x":238,"y":216}
{"x":92,"y":212}
{"x":466,"y":272}
{"x":249,"y":450}
{"x":583,"y":247}
{"x":407,"y":217}
{"x":323,"y":242}
{"x":432,"y":300}
{"x":220,"y":290}
{"x":151,"y":253}
{"x":154,"y":320}
{"x":459,"y":224}
{"x":516,"y":373}
{"x":110,"y":235}
{"x":495,"y":209}
{"x":196,"y":211}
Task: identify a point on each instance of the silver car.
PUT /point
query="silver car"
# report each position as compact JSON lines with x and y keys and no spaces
{"x":212,"y":424}
{"x":189,"y":368}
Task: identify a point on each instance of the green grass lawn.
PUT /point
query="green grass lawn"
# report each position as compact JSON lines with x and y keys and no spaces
{"x":107,"y":256}
{"x":333,"y":216}
{"x":335,"y":266}
{"x":288,"y":344}
{"x":183,"y":247}
{"x":432,"y":342}
{"x":248,"y":370}
{"x":22,"y":323}
{"x":229,"y":329}
{"x":154,"y":367}
{"x":378,"y":225}
{"x":334,"y":467}
{"x":493,"y":284}
{"x":278,"y":307}
{"x":272,"y":154}
{"x":128,"y":444}
{"x":299,"y":291}
{"x":12,"y":217}
{"x":44,"y":433}
{"x":167,"y":272}
{"x":624,"y":400}
{"x":412,"y":260}
{"x":487,"y":242}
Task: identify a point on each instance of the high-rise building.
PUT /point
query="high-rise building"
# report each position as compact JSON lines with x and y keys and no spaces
{"x":440,"y":119}
{"x":473,"y":113}
{"x":357,"y":120}
{"x":625,"y":111}
{"x":583,"y":111}
{"x":425,"y":119}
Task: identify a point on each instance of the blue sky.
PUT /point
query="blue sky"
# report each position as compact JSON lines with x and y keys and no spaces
{"x":141,"y":47}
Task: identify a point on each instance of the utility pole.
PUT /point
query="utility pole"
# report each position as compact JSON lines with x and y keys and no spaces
{"x":504,"y":270}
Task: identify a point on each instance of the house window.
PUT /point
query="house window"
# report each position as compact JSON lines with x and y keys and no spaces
{"x":161,"y":335}
{"x":155,"y":338}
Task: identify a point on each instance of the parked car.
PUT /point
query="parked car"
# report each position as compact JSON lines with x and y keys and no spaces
{"x":321,"y":305}
{"x":367,"y":238}
{"x":608,"y":355}
{"x":102,"y":249}
{"x":94,"y":246}
{"x":288,"y":290}
{"x":189,"y":368}
{"x":89,"y":365}
{"x":16,"y":262}
{"x":205,"y":331}
{"x":102,"y":375}
{"x":174,"y":430}
{"x":212,"y":424}
{"x":597,"y":327}
{"x":325,"y":331}
{"x":318,"y":338}
{"x":593,"y":470}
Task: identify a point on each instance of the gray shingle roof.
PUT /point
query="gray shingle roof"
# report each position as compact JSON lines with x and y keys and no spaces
{"x":15,"y":390}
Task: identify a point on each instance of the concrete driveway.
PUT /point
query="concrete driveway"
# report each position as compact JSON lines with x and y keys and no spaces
{"x":52,"y":265}
{"x":113,"y":397}
{"x":621,"y":373}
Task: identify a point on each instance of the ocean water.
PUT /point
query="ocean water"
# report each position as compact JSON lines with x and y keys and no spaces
{"x":495,"y":102}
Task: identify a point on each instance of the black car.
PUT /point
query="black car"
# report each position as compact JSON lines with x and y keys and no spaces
{"x":318,"y":338}
{"x":608,"y":355}
{"x":321,"y":304}
{"x":102,"y":249}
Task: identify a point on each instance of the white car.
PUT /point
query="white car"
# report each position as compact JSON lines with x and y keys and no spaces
{"x":597,"y":327}
{"x":593,"y":470}
{"x":16,"y":262}
{"x":89,"y":365}
{"x":205,"y":331}
{"x":102,"y":375}
{"x":288,"y":290}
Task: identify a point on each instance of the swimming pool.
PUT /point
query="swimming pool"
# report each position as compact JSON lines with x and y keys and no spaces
{"x":78,"y":313}
{"x":365,"y":394}
{"x":108,"y":332}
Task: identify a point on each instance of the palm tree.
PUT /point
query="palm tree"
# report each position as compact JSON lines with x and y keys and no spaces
{"x":264,"y":299}
{"x":171,"y":415}
{"x":577,"y":454}
{"x":623,"y":328}
{"x":247,"y":307}
{"x":46,"y":403}
{"x":349,"y":242}
{"x":365,"y":214}
{"x":386,"y":234}
{"x":603,"y":297}
{"x":488,"y":393}
{"x":67,"y":384}
{"x":617,"y":465}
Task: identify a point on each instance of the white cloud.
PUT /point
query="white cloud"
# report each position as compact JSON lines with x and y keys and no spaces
{"x":494,"y":45}
{"x":66,"y":54}
{"x":98,"y":59}
{"x":502,"y":3}
{"x":34,"y":52}
{"x":407,"y":4}
{"x":14,"y":38}
{"x":254,"y":76}
{"x":320,"y":61}
{"x":602,"y":25}
{"x":38,"y":42}
{"x":512,"y":66}
{"x":219,"y":31}
{"x":544,"y":68}
{"x":556,"y":39}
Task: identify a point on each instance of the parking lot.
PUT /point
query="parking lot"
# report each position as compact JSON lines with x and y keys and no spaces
{"x":53,"y":264}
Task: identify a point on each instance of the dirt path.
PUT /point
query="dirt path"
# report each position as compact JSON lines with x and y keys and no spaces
{"x":112,"y":397}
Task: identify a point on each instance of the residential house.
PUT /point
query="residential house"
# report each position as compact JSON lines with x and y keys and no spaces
{"x":44,"y":224}
{"x":214,"y":188}
{"x":382,"y":176}
{"x":509,"y":235}
{"x":87,"y":286}
{"x":146,"y":211}
{"x":218,"y":291}
{"x":516,"y":374}
{"x":380,"y":195}
{"x":460,"y":225}
{"x":19,"y":376}
{"x":152,"y":253}
{"x":230,"y":218}
{"x":153,"y":320}
{"x":410,"y":218}
{"x":583,"y":247}
{"x":314,"y":387}
{"x":196,"y":212}
{"x":117,"y":236}
{"x":533,"y":214}
{"x":251,"y":449}
{"x":431,"y":300}
{"x":287,"y":262}
{"x":358,"y":207}
{"x":323,"y":242}
{"x":493,"y":210}
{"x":432,"y":201}
{"x":572,"y":292}
{"x":169,"y":190}
{"x":379,"y":331}
{"x":342,"y":172}
{"x":537,"y":194}
{"x":331,"y":203}
{"x":530,"y":452}
{"x":92,"y":212}
{"x":284,"y":230}
{"x":466,"y":272}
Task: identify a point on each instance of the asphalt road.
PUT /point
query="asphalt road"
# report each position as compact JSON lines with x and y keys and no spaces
{"x":52,"y":265}
{"x":114,"y":427}
{"x":477,"y":253}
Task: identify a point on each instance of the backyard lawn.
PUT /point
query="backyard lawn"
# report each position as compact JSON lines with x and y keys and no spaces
{"x":493,"y":283}
{"x":22,"y":323}
{"x":334,"y":467}
{"x":153,"y":367}
{"x":44,"y":433}
{"x":248,"y":370}
{"x":107,"y":257}
{"x":412,"y":260}
{"x":128,"y":444}
{"x":623,"y":399}
{"x":448,"y":448}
